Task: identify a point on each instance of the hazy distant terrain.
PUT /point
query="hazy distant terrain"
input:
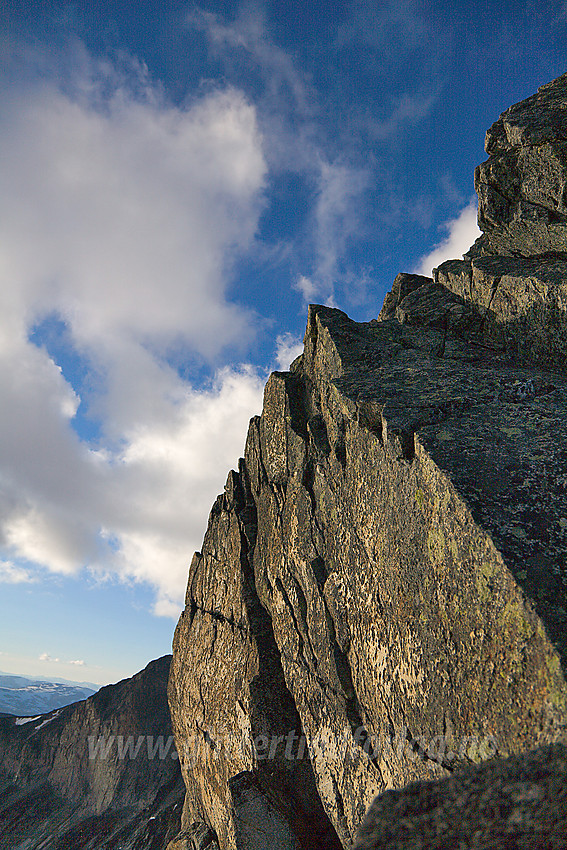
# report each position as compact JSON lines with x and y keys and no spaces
{"x":26,"y":697}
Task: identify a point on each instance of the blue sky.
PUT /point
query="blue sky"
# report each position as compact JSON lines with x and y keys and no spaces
{"x":177,"y":182}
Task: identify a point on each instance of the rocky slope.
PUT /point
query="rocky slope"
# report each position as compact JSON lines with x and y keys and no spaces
{"x":102,"y":773}
{"x":381,"y":592}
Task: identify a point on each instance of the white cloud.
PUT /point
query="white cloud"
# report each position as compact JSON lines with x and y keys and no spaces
{"x":394,"y":27}
{"x":462,"y":231}
{"x":133,"y":212}
{"x":45,"y":656}
{"x":78,"y":663}
{"x":139,"y":511}
{"x":121,"y":216}
{"x":288,"y":348}
{"x":168,"y":476}
{"x":12,"y":574}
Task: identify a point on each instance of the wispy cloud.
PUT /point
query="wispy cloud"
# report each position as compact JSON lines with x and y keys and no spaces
{"x":296,"y":140}
{"x":461,"y":231}
{"x":337,"y":214}
{"x":248,"y":32}
{"x":406,"y":110}
{"x":14,"y":574}
{"x":393,"y":26}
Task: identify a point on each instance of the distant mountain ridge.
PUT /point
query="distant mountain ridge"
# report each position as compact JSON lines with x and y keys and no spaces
{"x":37,"y":678}
{"x":25,"y":697}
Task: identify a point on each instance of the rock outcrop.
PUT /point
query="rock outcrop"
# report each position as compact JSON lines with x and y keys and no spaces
{"x":101,"y":773}
{"x":522,"y":188}
{"x":381,"y":593}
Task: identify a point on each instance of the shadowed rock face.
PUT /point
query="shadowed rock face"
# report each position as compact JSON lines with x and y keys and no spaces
{"x":519,"y":802}
{"x":381,"y":593}
{"x":93,"y":775}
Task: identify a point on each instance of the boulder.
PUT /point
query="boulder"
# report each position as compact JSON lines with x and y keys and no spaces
{"x":519,"y":802}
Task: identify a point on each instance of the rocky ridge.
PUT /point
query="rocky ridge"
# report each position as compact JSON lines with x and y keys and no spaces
{"x":381,"y":593}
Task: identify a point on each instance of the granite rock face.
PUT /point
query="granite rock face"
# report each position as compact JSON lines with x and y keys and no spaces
{"x":101,"y":773}
{"x":237,"y":727}
{"x":381,"y":593}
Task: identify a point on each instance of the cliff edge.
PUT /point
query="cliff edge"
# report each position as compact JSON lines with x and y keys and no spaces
{"x":380,"y":597}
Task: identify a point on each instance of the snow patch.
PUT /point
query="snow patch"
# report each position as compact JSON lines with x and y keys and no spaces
{"x":49,"y":719}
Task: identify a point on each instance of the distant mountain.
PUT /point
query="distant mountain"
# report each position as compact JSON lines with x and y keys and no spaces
{"x":26,"y":697}
{"x":101,"y":774}
{"x":37,"y":678}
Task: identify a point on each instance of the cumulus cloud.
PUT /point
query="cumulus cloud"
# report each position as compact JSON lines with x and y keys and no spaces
{"x":45,"y":656}
{"x":79,"y":662}
{"x":461,"y":231}
{"x":166,"y":479}
{"x":122,"y":215}
{"x":123,"y":201}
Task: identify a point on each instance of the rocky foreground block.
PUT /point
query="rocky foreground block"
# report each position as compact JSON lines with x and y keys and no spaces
{"x":519,"y":803}
{"x":384,"y":576}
